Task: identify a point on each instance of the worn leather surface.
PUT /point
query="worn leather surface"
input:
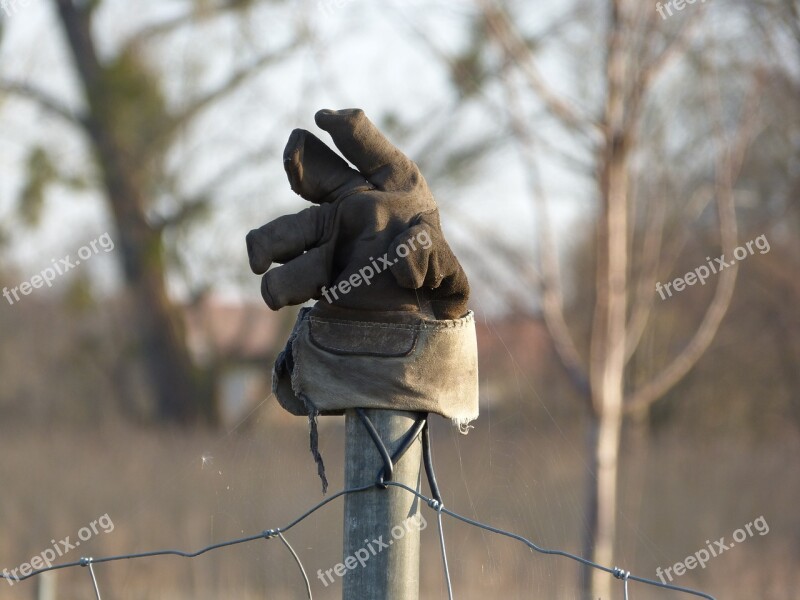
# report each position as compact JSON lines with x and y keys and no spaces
{"x":331,"y":364}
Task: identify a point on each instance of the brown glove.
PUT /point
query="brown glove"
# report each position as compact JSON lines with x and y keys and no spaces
{"x":372,"y":243}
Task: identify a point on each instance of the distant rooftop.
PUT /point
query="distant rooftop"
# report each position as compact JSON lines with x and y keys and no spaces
{"x":216,"y":327}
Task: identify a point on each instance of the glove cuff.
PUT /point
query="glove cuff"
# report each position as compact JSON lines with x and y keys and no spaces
{"x":391,"y":361}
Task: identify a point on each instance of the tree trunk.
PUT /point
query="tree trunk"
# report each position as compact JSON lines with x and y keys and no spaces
{"x":607,"y":363}
{"x":590,"y":533}
{"x":607,"y":453}
{"x":181,"y":396}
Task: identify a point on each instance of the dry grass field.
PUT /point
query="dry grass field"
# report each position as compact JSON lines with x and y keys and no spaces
{"x":525,"y":473}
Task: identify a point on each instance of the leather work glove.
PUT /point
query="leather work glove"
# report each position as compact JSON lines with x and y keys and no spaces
{"x":372,"y":242}
{"x":391,"y":329}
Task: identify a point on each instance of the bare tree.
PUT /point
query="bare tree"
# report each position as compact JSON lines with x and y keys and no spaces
{"x":131,"y":129}
{"x":632,"y":253}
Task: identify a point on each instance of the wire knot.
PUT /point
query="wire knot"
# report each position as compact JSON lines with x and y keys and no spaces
{"x":85,"y":561}
{"x":269,"y":533}
{"x":621,"y":574}
{"x":436,"y":505}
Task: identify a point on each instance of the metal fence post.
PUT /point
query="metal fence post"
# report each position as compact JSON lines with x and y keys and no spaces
{"x":46,"y":586}
{"x":379,"y":539}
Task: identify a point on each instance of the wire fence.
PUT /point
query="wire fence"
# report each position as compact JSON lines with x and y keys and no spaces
{"x":624,"y":576}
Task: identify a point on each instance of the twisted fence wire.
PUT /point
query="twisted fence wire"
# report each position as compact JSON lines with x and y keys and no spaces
{"x":623,"y":575}
{"x":299,"y":564}
{"x":434,"y":504}
{"x":94,"y":579}
{"x":438,"y":506}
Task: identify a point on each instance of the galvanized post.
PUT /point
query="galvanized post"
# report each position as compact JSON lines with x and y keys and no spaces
{"x":46,"y":586}
{"x":381,"y":526}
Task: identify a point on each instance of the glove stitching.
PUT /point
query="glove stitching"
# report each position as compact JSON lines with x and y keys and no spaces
{"x":350,"y":351}
{"x":438,"y":324}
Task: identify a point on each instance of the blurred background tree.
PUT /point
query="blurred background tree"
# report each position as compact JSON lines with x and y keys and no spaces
{"x":131,"y":129}
{"x":655,"y":184}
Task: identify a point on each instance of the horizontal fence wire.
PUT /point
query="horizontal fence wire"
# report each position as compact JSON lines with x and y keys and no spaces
{"x":624,"y":576}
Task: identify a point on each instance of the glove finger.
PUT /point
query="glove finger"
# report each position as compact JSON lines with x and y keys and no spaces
{"x":426,"y":260}
{"x":287,"y":237}
{"x":413,"y":251}
{"x":315,"y":171}
{"x":451,"y":298}
{"x":386,"y":167}
{"x":297,"y":281}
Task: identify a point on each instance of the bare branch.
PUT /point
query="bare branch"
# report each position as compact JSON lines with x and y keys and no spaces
{"x":644,"y":296}
{"x":676,"y":47}
{"x":729,"y":164}
{"x":526,"y":277}
{"x":552,"y":296}
{"x":231,"y":85}
{"x":648,"y":73}
{"x":572,"y":161}
{"x":44,"y":100}
{"x":197,"y":14}
{"x":198,"y":201}
{"x":512,"y":43}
